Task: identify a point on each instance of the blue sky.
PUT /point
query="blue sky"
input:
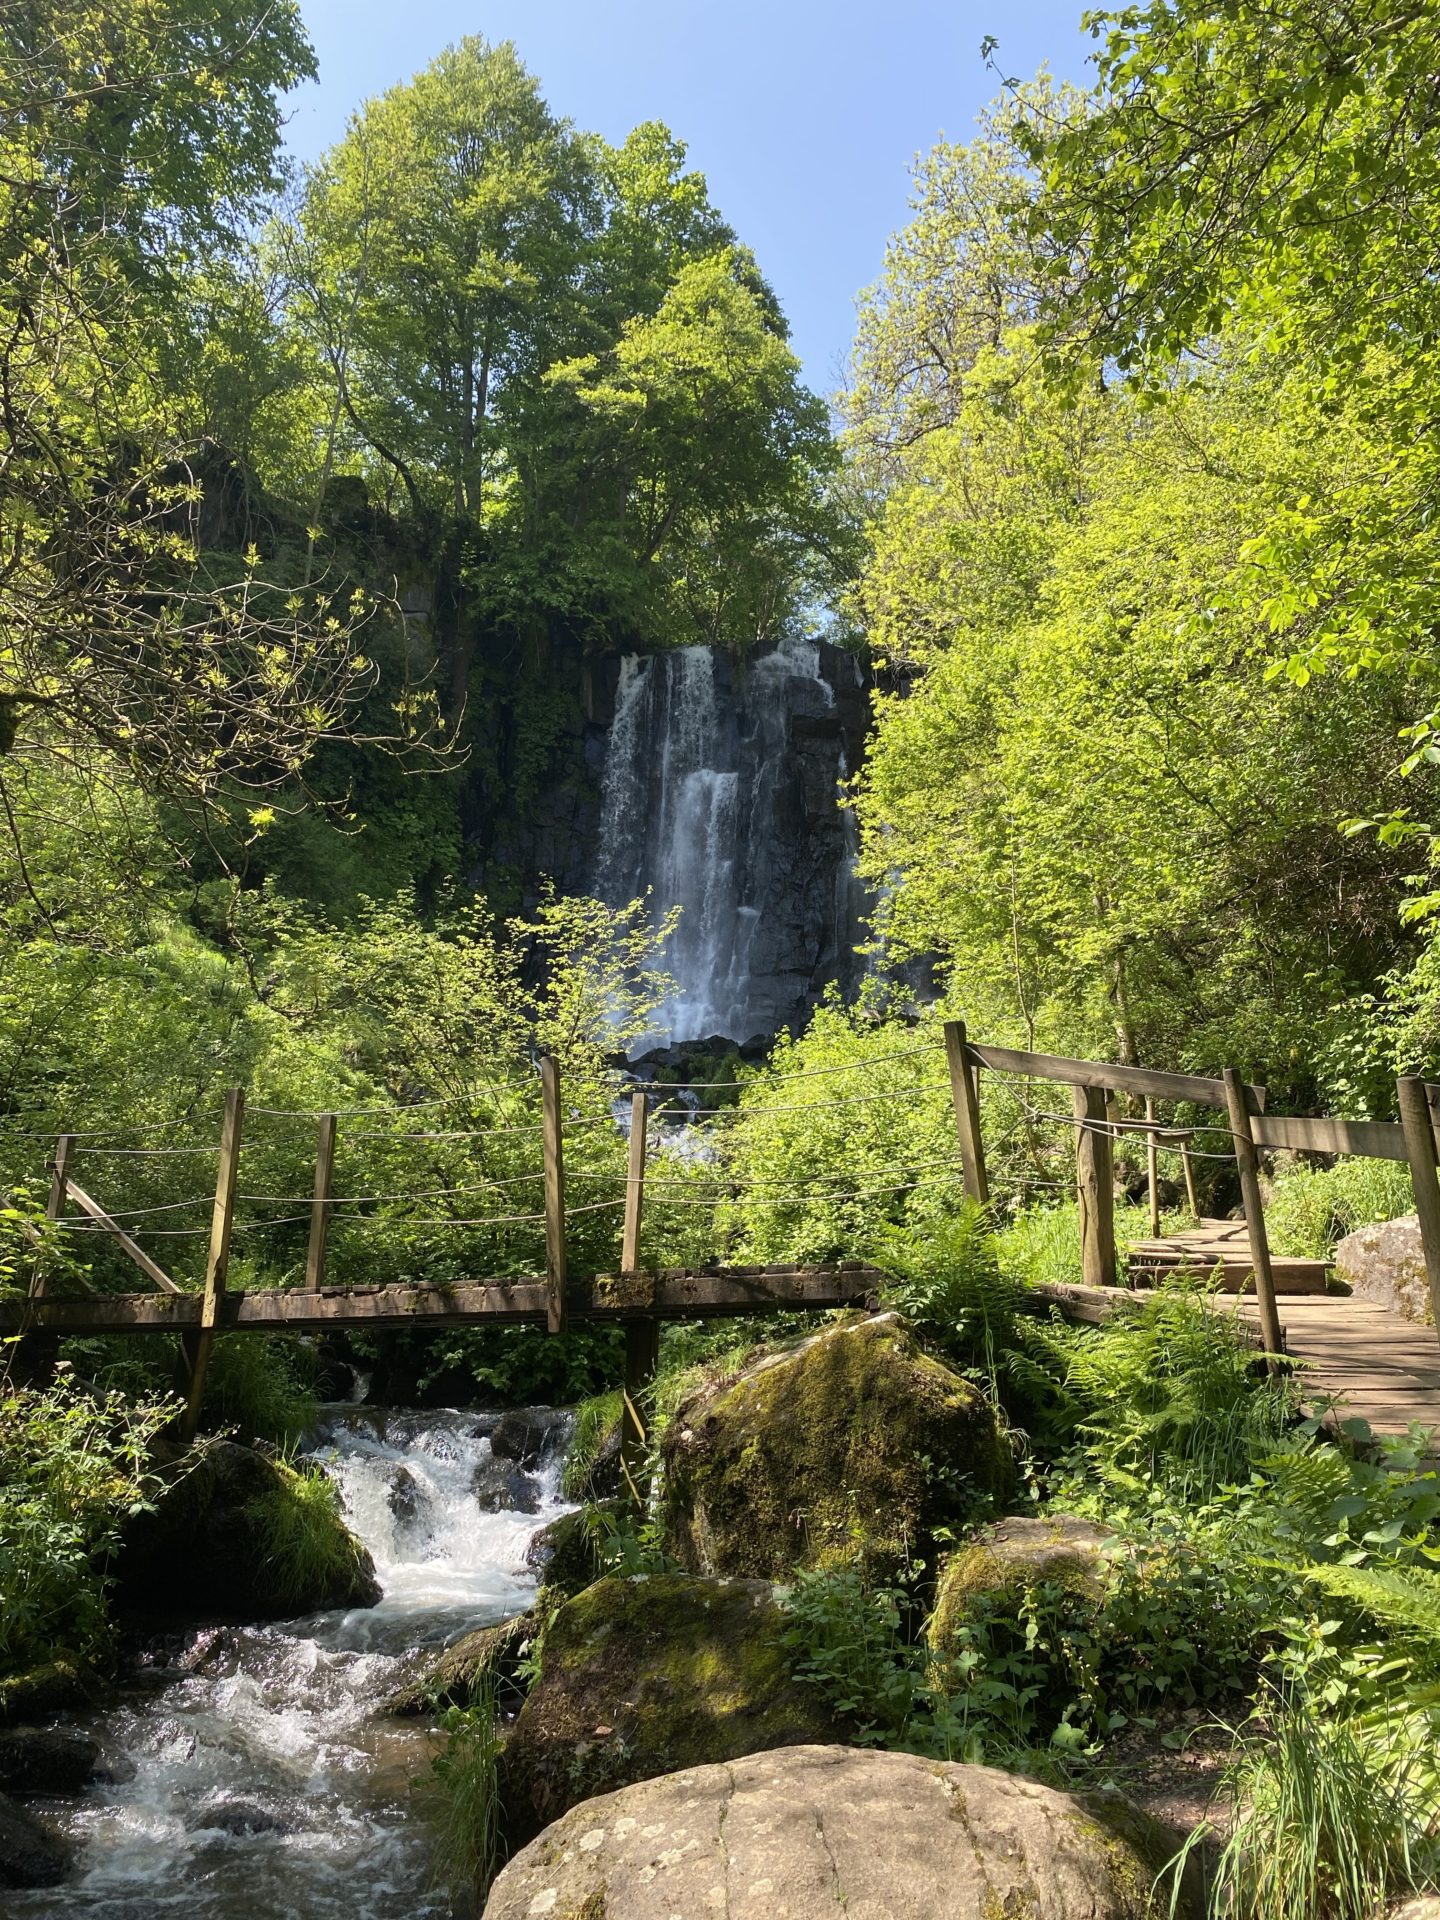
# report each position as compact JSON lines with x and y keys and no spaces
{"x":803,"y":117}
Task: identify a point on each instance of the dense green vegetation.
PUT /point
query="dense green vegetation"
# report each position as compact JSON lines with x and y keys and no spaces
{"x":326,"y":501}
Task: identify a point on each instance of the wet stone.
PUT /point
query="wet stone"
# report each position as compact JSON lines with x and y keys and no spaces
{"x":32,"y":1761}
{"x":30,"y":1854}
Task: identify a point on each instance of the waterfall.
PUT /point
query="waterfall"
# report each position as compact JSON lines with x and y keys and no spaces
{"x":720,"y":798}
{"x":266,"y":1784}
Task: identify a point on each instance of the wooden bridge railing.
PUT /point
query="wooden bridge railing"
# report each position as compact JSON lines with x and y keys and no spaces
{"x":634,"y":1298}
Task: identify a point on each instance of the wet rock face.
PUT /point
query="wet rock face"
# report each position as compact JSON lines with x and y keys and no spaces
{"x":853,"y":1444}
{"x":529,"y":1435}
{"x":30,"y":1854}
{"x":809,"y":1831}
{"x":454,"y":1677}
{"x":1386,"y":1264}
{"x":32,"y":1761}
{"x":641,"y":1676}
{"x":721,"y":796}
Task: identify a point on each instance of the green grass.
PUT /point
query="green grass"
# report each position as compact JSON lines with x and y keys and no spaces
{"x":468,"y":1845}
{"x":306,"y":1546}
{"x":595,"y":1420}
{"x":1311,"y":1209}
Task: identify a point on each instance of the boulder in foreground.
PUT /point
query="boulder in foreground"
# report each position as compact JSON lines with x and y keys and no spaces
{"x":810,"y":1832}
{"x":30,"y":1854}
{"x":852,"y":1444}
{"x":639,"y":1677}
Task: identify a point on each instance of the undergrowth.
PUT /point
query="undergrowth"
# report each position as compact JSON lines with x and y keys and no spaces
{"x":1311,"y":1208}
{"x":306,"y":1547}
{"x":468,"y":1845}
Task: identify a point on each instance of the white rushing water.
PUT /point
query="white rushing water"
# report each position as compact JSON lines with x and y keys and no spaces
{"x":267,"y":1785}
{"x":699,"y":810}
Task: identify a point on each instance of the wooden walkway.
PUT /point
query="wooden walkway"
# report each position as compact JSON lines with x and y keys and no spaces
{"x":1370,"y":1362}
{"x":1222,"y":1245}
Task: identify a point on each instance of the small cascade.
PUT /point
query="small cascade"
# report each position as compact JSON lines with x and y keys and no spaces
{"x":267,"y":1784}
{"x":720,"y":798}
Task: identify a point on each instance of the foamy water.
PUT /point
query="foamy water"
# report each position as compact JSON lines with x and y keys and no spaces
{"x":267,"y":1785}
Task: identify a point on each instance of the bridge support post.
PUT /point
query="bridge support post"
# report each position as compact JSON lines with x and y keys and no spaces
{"x":1095,"y":1187}
{"x":198,"y":1345}
{"x":320,"y":1206}
{"x":555,"y":1274}
{"x":33,"y":1357}
{"x":1419,"y":1128}
{"x":642,"y":1358}
{"x":965,"y":1092}
{"x":1237,"y":1104}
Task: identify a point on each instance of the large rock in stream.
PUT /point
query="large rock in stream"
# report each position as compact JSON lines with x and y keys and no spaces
{"x":30,"y":1854}
{"x":812,"y":1832}
{"x":638,"y":1677}
{"x":235,"y":1536}
{"x":854,"y":1444}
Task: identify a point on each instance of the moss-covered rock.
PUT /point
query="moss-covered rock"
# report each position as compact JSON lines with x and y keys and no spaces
{"x":563,"y":1555}
{"x":38,"y":1692}
{"x":812,"y":1832}
{"x":851,"y":1446}
{"x":235,"y":1535}
{"x":452,"y":1677}
{"x":1013,"y":1556}
{"x":639,"y":1677}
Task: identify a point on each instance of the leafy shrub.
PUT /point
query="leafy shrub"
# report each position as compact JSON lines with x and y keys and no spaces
{"x":72,"y":1467}
{"x":951,"y":1286}
{"x":1312,"y":1208}
{"x":1172,"y":1398}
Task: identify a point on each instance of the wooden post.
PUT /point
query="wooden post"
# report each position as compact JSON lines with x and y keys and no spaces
{"x":1095,"y":1185}
{"x":1152,"y":1169}
{"x":642,"y":1356}
{"x":635,"y":1184}
{"x":964,"y":1091}
{"x":320,"y":1206}
{"x":55,"y":1205}
{"x":1420,"y":1147}
{"x":217,"y":1265}
{"x":1237,"y":1103}
{"x":1187,"y":1166}
{"x":554,"y":1195}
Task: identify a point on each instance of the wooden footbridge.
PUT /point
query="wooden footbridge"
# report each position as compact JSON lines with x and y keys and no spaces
{"x":1386,"y":1369}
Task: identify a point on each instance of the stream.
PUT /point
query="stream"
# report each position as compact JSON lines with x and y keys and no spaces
{"x":265,"y":1784}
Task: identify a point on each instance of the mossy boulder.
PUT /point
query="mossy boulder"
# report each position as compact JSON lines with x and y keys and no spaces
{"x":853,"y":1445}
{"x":38,"y":1692}
{"x":981,"y":1578}
{"x":639,"y":1677}
{"x":453,"y":1677}
{"x":563,"y":1554}
{"x":811,"y":1832}
{"x":235,"y":1535}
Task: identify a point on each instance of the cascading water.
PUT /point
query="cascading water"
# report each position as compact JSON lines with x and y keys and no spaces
{"x":268,"y":1784}
{"x":720,"y":797}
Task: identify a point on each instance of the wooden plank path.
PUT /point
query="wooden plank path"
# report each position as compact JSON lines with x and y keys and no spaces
{"x":1222,"y":1245}
{"x":1374,"y":1364}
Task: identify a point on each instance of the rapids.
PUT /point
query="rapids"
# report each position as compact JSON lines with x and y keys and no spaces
{"x":265,"y":1784}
